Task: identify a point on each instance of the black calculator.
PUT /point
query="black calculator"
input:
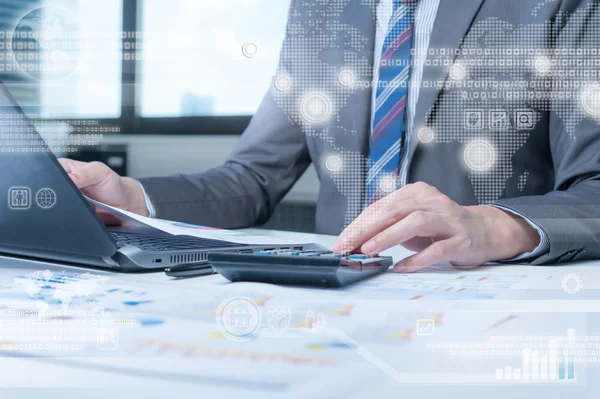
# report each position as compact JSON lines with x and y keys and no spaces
{"x":309,"y":268}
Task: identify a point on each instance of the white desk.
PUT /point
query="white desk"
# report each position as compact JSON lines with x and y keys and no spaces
{"x":362,"y":368}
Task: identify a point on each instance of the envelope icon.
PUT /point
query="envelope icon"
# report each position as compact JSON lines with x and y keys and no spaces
{"x":425,"y":327}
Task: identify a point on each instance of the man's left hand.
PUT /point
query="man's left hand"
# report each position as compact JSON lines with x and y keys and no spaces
{"x":422,"y":219}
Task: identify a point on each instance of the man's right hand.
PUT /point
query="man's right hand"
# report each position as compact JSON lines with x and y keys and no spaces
{"x":101,"y":183}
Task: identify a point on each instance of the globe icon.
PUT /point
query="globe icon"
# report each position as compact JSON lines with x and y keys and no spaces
{"x":46,"y":198}
{"x":47,"y":43}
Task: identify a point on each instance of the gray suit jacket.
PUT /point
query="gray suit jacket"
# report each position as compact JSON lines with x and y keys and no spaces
{"x":545,"y":165}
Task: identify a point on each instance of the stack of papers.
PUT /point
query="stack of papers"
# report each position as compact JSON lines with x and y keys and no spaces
{"x":178,"y":228}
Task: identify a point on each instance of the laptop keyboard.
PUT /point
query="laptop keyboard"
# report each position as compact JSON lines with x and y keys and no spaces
{"x":161,"y":243}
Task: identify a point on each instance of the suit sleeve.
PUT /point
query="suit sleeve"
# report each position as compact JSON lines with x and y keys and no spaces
{"x":570,"y":215}
{"x":266,"y":162}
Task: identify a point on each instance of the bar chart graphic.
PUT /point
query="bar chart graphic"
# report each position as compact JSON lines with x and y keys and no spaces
{"x":553,"y":365}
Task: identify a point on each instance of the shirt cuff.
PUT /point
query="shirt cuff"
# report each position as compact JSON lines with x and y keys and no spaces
{"x":542,"y":248}
{"x":151,"y":210}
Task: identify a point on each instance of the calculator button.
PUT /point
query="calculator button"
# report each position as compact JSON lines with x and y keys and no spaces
{"x":372,"y":260}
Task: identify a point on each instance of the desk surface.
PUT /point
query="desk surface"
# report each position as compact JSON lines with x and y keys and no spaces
{"x":371,"y":343}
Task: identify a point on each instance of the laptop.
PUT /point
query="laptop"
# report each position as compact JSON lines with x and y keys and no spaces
{"x":44,"y":215}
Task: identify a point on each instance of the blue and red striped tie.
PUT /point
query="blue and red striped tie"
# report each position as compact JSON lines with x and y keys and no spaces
{"x":388,"y":123}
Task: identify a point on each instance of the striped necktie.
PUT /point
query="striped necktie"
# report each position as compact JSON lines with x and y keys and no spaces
{"x":388,"y":119}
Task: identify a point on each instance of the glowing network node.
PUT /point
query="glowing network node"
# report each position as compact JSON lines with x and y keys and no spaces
{"x":315,"y":108}
{"x":480,"y":155}
{"x":425,"y":135}
{"x":250,"y":50}
{"x":282,"y":83}
{"x":333,"y":163}
{"x":346,"y":77}
{"x":388,"y":184}
{"x":572,"y":283}
{"x":458,"y":72}
{"x":542,"y":64}
{"x":590,"y":101}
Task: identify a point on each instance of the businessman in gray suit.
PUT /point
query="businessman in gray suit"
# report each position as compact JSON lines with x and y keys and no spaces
{"x":465,"y":130}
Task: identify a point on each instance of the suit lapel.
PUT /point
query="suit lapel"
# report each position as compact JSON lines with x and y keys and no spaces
{"x":452,"y":23}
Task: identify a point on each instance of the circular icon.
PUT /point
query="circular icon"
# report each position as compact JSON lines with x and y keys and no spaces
{"x":388,"y":184}
{"x":571,"y":283}
{"x":542,"y":64}
{"x":480,"y":155}
{"x":591,"y":101}
{"x":47,"y":43}
{"x":425,"y":135}
{"x":239,"y":318}
{"x":250,"y":50}
{"x":333,"y":163}
{"x":346,"y":77}
{"x":45,"y":198}
{"x":315,"y":108}
{"x":282,"y":83}
{"x":457,"y":72}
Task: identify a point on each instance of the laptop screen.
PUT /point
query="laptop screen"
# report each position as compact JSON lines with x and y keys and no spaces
{"x":42,"y":213}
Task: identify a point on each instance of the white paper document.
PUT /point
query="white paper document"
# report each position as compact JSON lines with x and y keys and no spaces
{"x":306,"y":339}
{"x":179,"y":228}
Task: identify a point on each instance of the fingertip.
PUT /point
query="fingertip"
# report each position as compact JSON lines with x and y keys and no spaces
{"x":342,"y":245}
{"x":400,"y":267}
{"x":77,"y":179}
{"x":342,"y":250}
{"x":407,"y":265}
{"x":369,"y":247}
{"x":65,"y":164}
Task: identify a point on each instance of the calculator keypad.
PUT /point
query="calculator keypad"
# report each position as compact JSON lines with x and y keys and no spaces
{"x":360,"y":258}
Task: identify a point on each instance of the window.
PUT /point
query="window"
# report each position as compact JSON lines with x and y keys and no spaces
{"x":68,"y":52}
{"x":93,"y":88}
{"x":25,"y":94}
{"x":143,"y":66}
{"x":210,"y":57}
